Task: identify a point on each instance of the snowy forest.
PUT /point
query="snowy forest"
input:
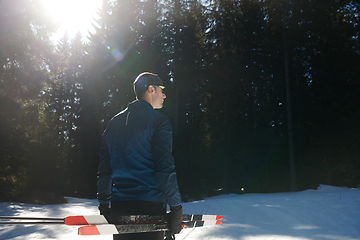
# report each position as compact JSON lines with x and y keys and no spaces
{"x":263,"y":95}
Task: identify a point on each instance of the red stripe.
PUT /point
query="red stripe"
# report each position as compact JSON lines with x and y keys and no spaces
{"x":89,"y":230}
{"x":76,"y":220}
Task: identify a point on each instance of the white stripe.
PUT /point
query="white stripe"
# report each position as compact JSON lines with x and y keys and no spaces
{"x":209,"y":217}
{"x":107,"y":229}
{"x":95,"y":219}
{"x":127,"y":118}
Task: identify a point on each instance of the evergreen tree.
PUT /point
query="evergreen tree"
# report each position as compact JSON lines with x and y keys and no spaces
{"x":25,"y":54}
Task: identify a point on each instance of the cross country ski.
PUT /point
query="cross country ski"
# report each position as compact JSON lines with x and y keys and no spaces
{"x":139,"y":228}
{"x":100,"y":219}
{"x":101,"y":225}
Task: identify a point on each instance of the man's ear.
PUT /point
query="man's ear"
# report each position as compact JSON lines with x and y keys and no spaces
{"x":151,"y":89}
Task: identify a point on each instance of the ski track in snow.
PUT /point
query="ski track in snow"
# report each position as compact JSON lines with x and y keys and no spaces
{"x":329,"y":213}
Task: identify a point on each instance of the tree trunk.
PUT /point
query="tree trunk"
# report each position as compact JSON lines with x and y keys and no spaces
{"x":293,"y":186}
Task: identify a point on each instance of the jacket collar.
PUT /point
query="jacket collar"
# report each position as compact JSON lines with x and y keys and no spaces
{"x":139,"y":103}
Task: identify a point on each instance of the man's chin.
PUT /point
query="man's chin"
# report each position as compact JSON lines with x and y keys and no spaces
{"x":159,"y":107}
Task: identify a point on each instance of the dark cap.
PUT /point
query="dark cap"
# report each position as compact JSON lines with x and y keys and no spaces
{"x":144,"y":80}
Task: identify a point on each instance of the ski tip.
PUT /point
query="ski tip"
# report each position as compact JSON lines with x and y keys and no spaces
{"x":75,"y":220}
{"x":218,"y":217}
{"x":102,"y":229}
{"x":218,"y":222}
{"x":88,"y":230}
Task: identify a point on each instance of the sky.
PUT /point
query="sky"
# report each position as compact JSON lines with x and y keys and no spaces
{"x":73,"y":16}
{"x":327,"y":213}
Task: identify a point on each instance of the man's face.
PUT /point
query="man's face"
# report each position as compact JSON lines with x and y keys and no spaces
{"x":158,"y":98}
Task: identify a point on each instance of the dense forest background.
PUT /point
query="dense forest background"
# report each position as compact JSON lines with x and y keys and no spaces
{"x":263,"y":94}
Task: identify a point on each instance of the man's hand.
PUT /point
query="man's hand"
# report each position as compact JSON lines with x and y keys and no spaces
{"x":175,"y":218}
{"x":104,"y":209}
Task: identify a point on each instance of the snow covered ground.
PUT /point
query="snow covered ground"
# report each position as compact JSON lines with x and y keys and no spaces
{"x":328,"y":213}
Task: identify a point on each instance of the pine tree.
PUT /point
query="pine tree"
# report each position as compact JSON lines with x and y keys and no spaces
{"x":25,"y":53}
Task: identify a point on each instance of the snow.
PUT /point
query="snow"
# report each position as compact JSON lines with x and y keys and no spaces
{"x":328,"y":213}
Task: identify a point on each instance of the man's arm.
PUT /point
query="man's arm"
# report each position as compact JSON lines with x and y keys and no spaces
{"x":164,"y":162}
{"x":104,"y":178}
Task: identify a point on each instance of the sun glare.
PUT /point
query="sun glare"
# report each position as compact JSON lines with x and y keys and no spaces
{"x":73,"y":15}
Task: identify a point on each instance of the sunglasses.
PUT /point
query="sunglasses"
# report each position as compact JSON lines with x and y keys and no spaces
{"x":160,"y":86}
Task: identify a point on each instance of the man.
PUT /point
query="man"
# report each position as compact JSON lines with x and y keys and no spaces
{"x":136,"y":171}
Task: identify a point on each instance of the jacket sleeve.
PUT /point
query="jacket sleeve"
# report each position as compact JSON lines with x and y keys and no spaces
{"x":164,"y":162}
{"x":104,"y":178}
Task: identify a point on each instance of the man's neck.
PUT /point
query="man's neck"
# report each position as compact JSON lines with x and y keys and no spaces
{"x":148,"y":99}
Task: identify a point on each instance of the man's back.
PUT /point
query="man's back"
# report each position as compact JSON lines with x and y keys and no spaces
{"x":139,"y":143}
{"x":136,"y":170}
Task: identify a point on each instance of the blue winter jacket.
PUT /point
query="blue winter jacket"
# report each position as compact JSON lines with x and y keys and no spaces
{"x":136,"y":161}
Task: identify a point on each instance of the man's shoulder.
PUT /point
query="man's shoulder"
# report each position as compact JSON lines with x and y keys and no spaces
{"x":118,"y":115}
{"x":161,"y":121}
{"x":115,"y":119}
{"x":161,"y":117}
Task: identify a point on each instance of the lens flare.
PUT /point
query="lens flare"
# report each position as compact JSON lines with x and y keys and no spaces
{"x":117,"y":55}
